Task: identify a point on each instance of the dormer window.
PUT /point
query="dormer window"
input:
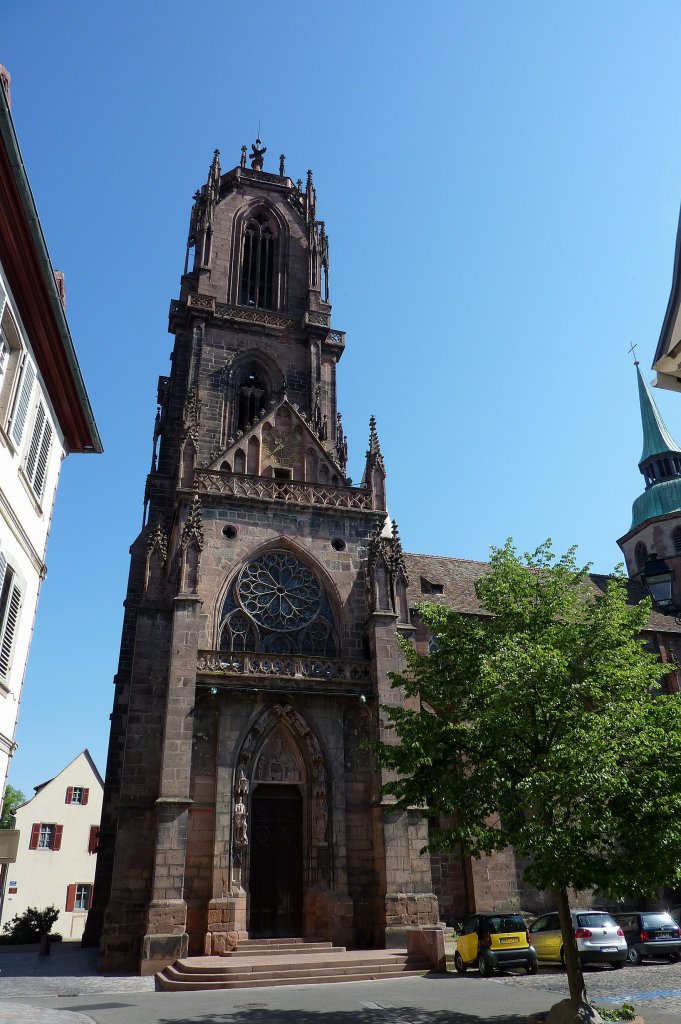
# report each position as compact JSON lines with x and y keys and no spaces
{"x":259,"y":263}
{"x":429,"y":587}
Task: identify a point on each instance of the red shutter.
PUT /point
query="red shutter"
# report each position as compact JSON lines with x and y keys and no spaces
{"x":93,"y":841}
{"x":92,"y":889}
{"x":58,"y":829}
{"x":69,"y":794}
{"x":86,"y":793}
{"x":35,"y":836}
{"x":70,"y":897}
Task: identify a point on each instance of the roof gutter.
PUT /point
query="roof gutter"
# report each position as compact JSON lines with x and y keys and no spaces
{"x":24,"y":190}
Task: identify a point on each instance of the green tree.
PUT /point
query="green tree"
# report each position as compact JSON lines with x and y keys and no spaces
{"x":13,"y":799}
{"x":540,"y":724}
{"x":31,"y":925}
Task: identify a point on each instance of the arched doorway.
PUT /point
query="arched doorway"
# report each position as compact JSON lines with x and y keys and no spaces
{"x":276,"y":867}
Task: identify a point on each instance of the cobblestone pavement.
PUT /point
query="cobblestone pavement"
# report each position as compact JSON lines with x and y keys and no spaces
{"x":651,"y":985}
{"x":67,"y":972}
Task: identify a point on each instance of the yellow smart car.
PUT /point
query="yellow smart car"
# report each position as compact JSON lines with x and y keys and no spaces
{"x":492,"y":942}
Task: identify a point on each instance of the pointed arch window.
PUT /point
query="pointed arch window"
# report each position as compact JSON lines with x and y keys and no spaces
{"x":258,"y":264}
{"x":252,"y":395}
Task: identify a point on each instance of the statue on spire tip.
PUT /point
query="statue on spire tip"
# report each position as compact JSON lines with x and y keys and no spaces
{"x":257,"y":153}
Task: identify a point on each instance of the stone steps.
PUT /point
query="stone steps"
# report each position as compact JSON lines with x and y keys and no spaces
{"x":253,"y":947}
{"x":303,"y":967}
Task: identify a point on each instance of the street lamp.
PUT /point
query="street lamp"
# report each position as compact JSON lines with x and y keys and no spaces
{"x":657,"y":578}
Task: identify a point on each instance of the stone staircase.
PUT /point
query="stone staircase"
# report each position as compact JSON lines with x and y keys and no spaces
{"x":260,"y":963}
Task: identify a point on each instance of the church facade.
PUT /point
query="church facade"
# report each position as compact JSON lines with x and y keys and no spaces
{"x":265,"y":596}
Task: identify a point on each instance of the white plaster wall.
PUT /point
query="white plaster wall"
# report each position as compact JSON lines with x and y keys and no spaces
{"x":42,"y":876}
{"x":24,"y":528}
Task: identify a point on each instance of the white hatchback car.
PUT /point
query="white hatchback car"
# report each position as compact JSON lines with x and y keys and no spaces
{"x":599,"y":938}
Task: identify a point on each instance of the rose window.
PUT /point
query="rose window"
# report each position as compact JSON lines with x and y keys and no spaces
{"x":279,"y":592}
{"x":278,"y":606}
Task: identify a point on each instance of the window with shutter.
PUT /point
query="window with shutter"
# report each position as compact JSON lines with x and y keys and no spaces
{"x":4,"y":355}
{"x":70,"y":897}
{"x":35,"y":836}
{"x":10,"y":602}
{"x":22,"y":403}
{"x":39,"y":451}
{"x":93,"y":840}
{"x":86,"y":794}
{"x":69,"y":794}
{"x":58,"y":829}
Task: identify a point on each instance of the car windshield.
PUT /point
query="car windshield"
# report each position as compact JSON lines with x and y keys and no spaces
{"x":594,"y":920}
{"x":652,"y":921}
{"x":514,"y":923}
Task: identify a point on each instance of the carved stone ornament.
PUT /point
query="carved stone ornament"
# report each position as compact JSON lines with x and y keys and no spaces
{"x":240,"y":824}
{"x":190,"y":416}
{"x":387,"y":553}
{"x":158,"y":539}
{"x":321,"y":820}
{"x":278,"y":760}
{"x":193,"y":526}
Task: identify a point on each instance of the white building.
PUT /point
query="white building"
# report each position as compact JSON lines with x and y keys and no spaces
{"x":55,"y":864}
{"x":45,"y":414}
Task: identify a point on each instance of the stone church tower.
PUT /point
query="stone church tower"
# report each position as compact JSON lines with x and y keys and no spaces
{"x":656,"y":513}
{"x":264,"y":596}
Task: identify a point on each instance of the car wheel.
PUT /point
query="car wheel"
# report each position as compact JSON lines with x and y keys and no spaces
{"x":484,"y":966}
{"x":674,"y":958}
{"x":617,"y":964}
{"x":633,"y":955}
{"x":459,"y":964}
{"x":531,"y":967}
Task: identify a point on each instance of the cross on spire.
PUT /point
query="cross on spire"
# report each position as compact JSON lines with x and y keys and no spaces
{"x":632,"y":350}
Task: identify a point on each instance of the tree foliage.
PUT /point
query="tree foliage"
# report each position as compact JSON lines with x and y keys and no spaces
{"x":13,"y":799}
{"x":31,"y":925}
{"x":541,"y":725}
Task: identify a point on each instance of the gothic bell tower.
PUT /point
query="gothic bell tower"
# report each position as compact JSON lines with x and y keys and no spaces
{"x":264,"y":597}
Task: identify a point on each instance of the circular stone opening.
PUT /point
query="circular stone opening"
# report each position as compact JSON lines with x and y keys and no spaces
{"x":338,"y":544}
{"x":229,"y":532}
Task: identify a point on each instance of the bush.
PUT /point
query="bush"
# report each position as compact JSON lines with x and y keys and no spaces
{"x":624,"y":1012}
{"x":31,"y":925}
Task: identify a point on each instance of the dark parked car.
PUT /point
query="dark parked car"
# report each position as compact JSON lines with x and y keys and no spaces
{"x":652,"y":934}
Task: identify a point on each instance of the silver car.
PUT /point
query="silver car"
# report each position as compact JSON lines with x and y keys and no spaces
{"x":599,"y":938}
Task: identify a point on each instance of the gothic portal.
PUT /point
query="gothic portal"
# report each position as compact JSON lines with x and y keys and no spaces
{"x":264,"y":596}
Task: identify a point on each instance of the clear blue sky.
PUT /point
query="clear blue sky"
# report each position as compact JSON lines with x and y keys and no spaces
{"x":501,"y":186}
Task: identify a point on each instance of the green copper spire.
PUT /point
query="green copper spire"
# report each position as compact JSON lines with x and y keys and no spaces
{"x":660,"y":463}
{"x":656,"y":438}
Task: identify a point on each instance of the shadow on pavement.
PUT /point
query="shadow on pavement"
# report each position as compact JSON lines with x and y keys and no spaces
{"x":61,"y":961}
{"x":380,"y":1015}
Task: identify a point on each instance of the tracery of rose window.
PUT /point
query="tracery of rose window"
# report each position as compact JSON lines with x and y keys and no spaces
{"x":277,"y":605}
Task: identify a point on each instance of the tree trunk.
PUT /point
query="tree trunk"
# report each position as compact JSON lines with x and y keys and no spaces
{"x":572,"y":964}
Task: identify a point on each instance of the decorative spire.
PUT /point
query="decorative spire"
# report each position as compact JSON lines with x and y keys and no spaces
{"x":656,"y":438}
{"x":341,"y":444}
{"x":398,"y":564}
{"x":374,"y":451}
{"x":282,"y":172}
{"x":193,"y":525}
{"x":244,"y":150}
{"x":214,"y":170}
{"x":257,"y":153}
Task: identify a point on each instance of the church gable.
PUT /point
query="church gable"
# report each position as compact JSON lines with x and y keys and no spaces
{"x":280,"y":444}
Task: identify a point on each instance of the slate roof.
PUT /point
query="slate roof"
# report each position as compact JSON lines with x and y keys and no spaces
{"x":458,"y":577}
